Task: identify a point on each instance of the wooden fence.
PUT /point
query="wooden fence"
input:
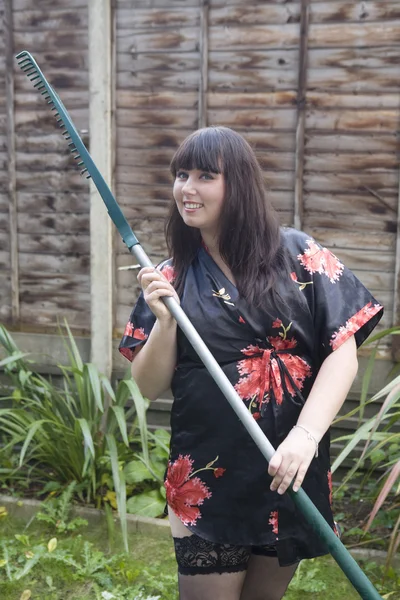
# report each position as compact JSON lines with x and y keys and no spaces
{"x":313,"y":85}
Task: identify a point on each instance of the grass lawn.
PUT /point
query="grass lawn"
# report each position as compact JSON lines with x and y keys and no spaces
{"x":84,"y":565}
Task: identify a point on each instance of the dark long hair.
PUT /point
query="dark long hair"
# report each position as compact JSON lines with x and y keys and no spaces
{"x":249,"y":231}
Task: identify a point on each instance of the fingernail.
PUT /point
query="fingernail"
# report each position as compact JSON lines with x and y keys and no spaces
{"x":280,"y":491}
{"x":295,"y":488}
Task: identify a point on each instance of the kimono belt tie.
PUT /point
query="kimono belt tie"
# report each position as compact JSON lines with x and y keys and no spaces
{"x":268,"y":375}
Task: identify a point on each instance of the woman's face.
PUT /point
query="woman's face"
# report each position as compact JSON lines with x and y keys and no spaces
{"x":199,"y":196}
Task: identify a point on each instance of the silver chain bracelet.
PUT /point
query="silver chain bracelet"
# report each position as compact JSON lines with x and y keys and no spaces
{"x":309,"y":436}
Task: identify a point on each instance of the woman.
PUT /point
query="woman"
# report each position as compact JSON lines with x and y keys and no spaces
{"x":283,"y":317}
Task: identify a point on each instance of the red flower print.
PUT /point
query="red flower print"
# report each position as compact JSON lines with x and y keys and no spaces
{"x":293,"y":276}
{"x":127,"y":352}
{"x":256,"y":416}
{"x":129,"y":329}
{"x":219,"y":472}
{"x":184,"y":494}
{"x":277,"y":323}
{"x":169,"y":273}
{"x":260,"y":372}
{"x":241,"y":320}
{"x":329,"y":476}
{"x":273,"y":520}
{"x":139,"y":334}
{"x":321,"y":260}
{"x":354,"y":324}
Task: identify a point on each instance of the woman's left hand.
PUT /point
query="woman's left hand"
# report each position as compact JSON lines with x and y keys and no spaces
{"x":291,"y":461}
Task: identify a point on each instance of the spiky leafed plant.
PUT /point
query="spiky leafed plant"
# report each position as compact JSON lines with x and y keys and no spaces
{"x":77,"y":432}
{"x":380,"y":440}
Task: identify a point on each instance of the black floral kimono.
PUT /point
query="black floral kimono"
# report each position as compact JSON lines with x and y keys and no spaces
{"x":217,"y":481}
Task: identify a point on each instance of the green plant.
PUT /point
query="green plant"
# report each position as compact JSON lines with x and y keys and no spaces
{"x":381,"y":437}
{"x":56,"y":512}
{"x":83,"y":431}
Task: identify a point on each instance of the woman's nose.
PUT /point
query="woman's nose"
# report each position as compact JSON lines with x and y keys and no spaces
{"x":188,"y":187}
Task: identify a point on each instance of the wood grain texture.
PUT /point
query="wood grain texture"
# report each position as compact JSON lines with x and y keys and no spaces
{"x":9,"y":25}
{"x":351,"y":143}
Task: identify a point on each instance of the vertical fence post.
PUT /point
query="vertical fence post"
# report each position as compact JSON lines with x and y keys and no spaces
{"x":101,"y":232}
{"x":10,"y":135}
{"x":301,"y":115}
{"x":203,"y":86}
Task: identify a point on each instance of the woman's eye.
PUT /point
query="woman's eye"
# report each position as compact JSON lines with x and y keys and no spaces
{"x":207,"y":176}
{"x":181,"y":175}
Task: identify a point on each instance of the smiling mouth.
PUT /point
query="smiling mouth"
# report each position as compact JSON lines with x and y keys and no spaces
{"x":192,"y":205}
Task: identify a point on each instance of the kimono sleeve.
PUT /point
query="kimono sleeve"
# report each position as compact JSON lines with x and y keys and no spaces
{"x":342,"y":304}
{"x":137,"y":329}
{"x":141,"y":320}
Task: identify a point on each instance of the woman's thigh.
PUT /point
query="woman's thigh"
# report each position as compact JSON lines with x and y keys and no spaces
{"x":207,"y":570}
{"x":265,"y":579}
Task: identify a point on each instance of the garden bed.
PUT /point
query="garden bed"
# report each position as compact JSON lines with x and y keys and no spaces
{"x":38,"y":563}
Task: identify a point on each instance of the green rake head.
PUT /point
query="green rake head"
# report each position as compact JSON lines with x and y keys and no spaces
{"x":31,"y":69}
{"x":79,"y":151}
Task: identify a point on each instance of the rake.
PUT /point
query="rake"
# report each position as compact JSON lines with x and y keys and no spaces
{"x":346,"y":562}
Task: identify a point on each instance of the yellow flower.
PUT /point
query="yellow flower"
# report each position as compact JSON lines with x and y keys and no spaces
{"x":111,"y":497}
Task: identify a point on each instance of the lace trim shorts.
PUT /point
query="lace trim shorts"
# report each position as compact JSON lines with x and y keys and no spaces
{"x":196,"y":556}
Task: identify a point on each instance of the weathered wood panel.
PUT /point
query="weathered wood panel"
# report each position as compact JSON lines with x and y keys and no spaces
{"x":134,"y":4}
{"x":36,"y":286}
{"x":322,"y":35}
{"x":47,"y":41}
{"x":353,"y":57}
{"x":381,"y":182}
{"x":239,"y":119}
{"x":334,"y":99}
{"x":351,"y":162}
{"x":133,"y":99}
{"x":147,"y":137}
{"x":323,"y":141}
{"x":284,"y":119}
{"x":363,"y":223}
{"x":38,"y":223}
{"x":67,"y":264}
{"x":52,"y":202}
{"x":62,"y":181}
{"x":44,"y":314}
{"x":171,"y":41}
{"x":56,"y":19}
{"x":26,"y":98}
{"x":47,"y":161}
{"x":282,"y":180}
{"x":244,"y":79}
{"x":352,"y":239}
{"x":5,"y":305}
{"x":153,"y":18}
{"x":167,"y":118}
{"x":368,"y":79}
{"x":43,"y":120}
{"x":367,"y":260}
{"x":46,"y":4}
{"x":320,"y":12}
{"x":352,"y":204}
{"x":353,"y":120}
{"x":74,"y":244}
{"x":246,"y":100}
{"x":178,"y":81}
{"x":148,"y":198}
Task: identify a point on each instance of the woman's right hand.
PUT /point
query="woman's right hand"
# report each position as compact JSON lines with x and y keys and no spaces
{"x":155,"y":286}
